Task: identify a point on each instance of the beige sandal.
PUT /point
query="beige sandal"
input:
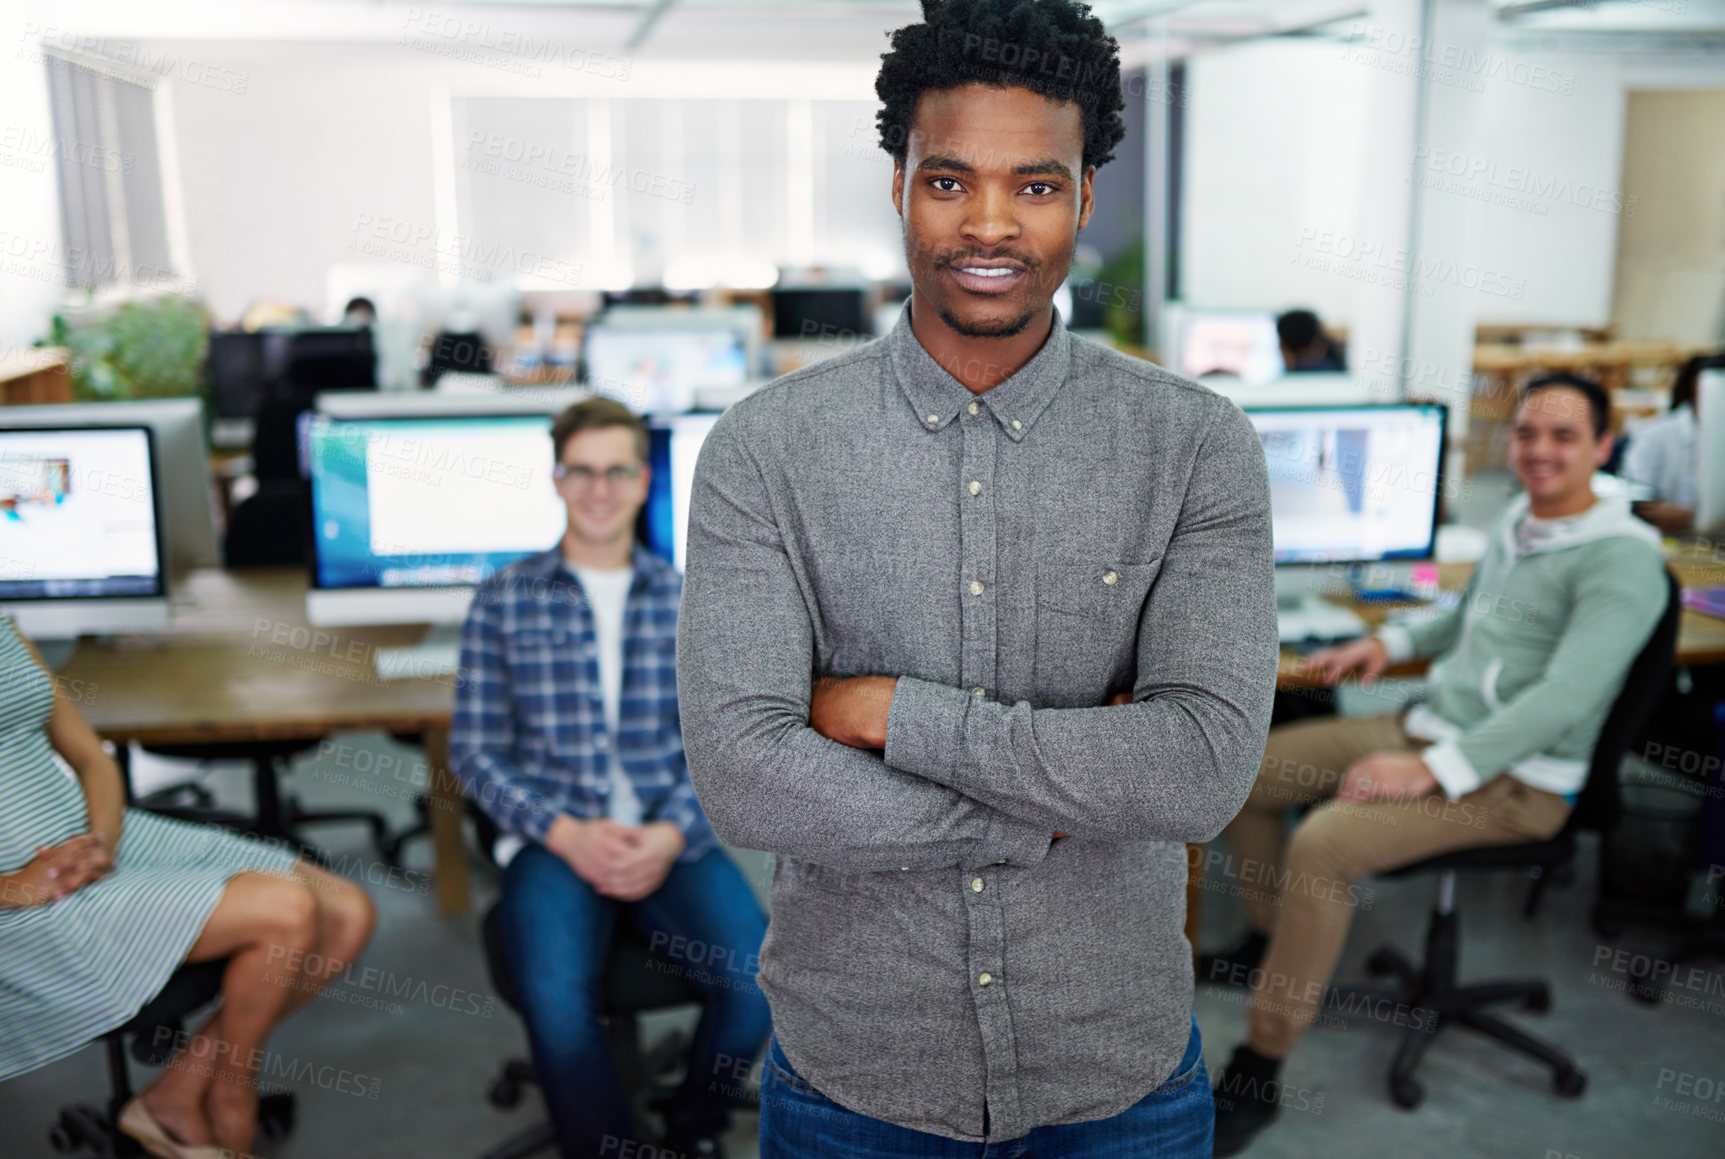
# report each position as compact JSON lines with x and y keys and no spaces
{"x":136,"y":1121}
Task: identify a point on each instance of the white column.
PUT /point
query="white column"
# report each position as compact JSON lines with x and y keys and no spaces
{"x":1412,"y":328}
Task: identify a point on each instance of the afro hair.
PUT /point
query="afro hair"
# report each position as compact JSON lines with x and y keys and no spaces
{"x":1053,"y":47}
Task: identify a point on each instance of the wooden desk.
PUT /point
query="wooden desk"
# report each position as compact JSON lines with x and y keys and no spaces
{"x":240,"y":663}
{"x":1700,"y":639}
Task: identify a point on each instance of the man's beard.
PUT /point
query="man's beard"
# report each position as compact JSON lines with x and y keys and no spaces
{"x":1005,"y":329}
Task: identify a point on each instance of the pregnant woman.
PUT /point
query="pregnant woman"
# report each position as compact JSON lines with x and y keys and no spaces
{"x":99,"y":904}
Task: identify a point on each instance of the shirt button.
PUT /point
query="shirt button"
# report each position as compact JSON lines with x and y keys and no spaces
{"x":904,"y":867}
{"x":975,"y":487}
{"x":984,"y":978}
{"x":1110,"y":578}
{"x":1016,"y":425}
{"x":976,"y":587}
{"x":979,"y":691}
{"x":973,"y":408}
{"x":976,"y":885}
{"x":932,"y":419}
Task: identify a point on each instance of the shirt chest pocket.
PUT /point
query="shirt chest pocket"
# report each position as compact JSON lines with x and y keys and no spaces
{"x":1087,"y":628}
{"x":533,"y":650}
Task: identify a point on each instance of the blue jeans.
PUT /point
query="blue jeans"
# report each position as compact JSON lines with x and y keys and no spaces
{"x":556,"y":932}
{"x":1174,"y":1121}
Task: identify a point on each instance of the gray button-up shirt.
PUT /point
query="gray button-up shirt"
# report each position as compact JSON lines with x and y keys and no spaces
{"x":1093,"y":524}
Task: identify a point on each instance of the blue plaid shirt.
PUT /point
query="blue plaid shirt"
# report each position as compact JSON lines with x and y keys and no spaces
{"x":530,"y":738}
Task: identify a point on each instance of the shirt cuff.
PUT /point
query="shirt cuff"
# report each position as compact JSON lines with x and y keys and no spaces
{"x":925,"y":729}
{"x":1398,"y":643}
{"x":533,"y":820}
{"x":1452,"y":769}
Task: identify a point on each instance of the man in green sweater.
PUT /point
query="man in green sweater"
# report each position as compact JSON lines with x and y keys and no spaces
{"x":1525,"y":670}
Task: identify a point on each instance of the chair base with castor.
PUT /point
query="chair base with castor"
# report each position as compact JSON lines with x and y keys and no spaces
{"x":155,"y":1032}
{"x":278,"y":814}
{"x":636,"y":981}
{"x":1431,"y":990}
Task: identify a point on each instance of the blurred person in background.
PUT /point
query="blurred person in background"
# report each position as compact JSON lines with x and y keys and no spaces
{"x":100,"y":904}
{"x":1305,"y":346}
{"x":567,"y":733}
{"x":1662,"y":453}
{"x":1525,"y":670}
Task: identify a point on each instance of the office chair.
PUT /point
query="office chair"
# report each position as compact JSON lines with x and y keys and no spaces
{"x":1432,"y":985}
{"x":276,"y":814}
{"x":637,"y":980}
{"x":155,"y":1032}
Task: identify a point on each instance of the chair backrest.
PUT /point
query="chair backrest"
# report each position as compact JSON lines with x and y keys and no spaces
{"x":1601,"y":802}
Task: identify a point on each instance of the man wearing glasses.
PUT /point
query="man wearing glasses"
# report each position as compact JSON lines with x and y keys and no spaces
{"x":567,"y":734}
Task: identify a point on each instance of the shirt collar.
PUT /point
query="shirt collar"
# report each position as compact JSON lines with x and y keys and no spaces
{"x":546,"y":564}
{"x":1015,"y":404}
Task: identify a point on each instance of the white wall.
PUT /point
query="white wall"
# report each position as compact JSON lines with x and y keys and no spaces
{"x":330,"y":138}
{"x":1277,"y":145}
{"x":31,"y":251}
{"x":1274,"y":152}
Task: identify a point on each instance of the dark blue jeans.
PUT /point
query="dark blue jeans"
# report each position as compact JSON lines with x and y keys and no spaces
{"x":1174,"y":1121}
{"x":556,"y":934}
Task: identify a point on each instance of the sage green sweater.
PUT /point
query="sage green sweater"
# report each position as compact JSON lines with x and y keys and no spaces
{"x":1530,"y":661}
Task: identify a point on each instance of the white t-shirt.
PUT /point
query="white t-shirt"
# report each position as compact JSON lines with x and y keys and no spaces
{"x":1661,"y":454}
{"x":608,"y":592}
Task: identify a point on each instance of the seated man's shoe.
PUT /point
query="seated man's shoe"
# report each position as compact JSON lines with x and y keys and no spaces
{"x":1246,"y":1098}
{"x":1234,"y":966}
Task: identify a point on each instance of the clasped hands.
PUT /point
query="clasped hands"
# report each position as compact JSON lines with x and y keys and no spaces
{"x":58,"y":870}
{"x":626,"y":862}
{"x":853,"y":710}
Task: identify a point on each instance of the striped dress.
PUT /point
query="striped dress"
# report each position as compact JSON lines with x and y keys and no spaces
{"x":75,"y":968}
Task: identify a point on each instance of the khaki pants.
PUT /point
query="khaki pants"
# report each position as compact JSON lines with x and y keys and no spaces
{"x":1301,"y":889}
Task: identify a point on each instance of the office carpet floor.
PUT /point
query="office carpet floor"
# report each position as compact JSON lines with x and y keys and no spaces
{"x":387,"y":1069}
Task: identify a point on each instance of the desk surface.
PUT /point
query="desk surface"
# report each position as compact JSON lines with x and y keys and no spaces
{"x":1700,"y":638}
{"x":241,"y":663}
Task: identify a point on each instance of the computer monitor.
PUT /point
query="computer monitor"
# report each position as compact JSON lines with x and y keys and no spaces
{"x":661,"y":369}
{"x":80,"y":530}
{"x":411,"y":512}
{"x":177,"y":430}
{"x":1243,"y":343}
{"x":236,"y":373}
{"x":328,"y":358}
{"x":812,"y":313}
{"x":1353,"y":484}
{"x":674,"y":443}
{"x":1314,"y":388}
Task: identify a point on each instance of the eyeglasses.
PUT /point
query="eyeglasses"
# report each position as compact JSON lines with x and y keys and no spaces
{"x":581,"y":477}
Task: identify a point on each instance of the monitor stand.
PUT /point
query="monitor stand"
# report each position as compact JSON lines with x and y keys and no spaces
{"x":438,"y":654}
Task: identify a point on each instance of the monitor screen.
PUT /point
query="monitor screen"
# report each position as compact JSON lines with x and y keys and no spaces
{"x":674,"y":445}
{"x":1352,"y":484}
{"x":814,"y":313}
{"x":79,"y":514}
{"x":653,"y":370}
{"x":429,"y":501}
{"x":1238,"y":342}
